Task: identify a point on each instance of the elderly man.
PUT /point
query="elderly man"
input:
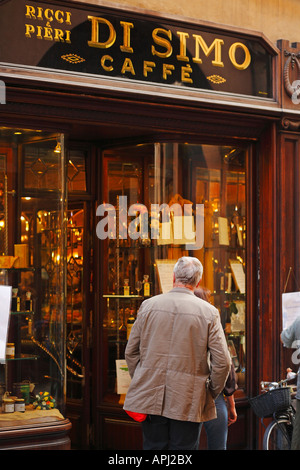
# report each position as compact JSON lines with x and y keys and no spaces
{"x":167,"y":357}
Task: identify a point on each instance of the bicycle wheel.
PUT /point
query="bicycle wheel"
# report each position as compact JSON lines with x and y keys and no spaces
{"x":278,"y":435}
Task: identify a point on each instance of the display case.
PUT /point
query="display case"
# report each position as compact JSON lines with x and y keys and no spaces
{"x":33,"y":263}
{"x":222,"y":189}
{"x":139,"y":178}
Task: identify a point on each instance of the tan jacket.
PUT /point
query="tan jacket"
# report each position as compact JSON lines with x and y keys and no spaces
{"x":167,"y":357}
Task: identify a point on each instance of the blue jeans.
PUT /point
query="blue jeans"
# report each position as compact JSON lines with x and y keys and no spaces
{"x":296,"y":431}
{"x":160,"y":433}
{"x":217,"y":429}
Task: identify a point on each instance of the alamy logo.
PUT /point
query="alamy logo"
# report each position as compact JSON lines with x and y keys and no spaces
{"x":2,"y":92}
{"x":173,"y":224}
{"x":296,"y":354}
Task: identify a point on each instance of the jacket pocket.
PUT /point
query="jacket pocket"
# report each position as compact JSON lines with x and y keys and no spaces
{"x":146,"y":400}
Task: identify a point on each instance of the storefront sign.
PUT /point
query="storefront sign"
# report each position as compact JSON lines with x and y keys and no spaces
{"x":122,"y":45}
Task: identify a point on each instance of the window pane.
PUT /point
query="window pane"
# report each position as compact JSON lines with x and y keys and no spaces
{"x":76,"y":175}
{"x":175,"y":176}
{"x":41,"y":165}
{"x":75,"y":302}
{"x":32,"y":262}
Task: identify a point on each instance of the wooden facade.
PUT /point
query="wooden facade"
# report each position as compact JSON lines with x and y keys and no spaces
{"x":97,"y":112}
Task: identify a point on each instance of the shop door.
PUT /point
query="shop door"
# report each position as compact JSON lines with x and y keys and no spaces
{"x":134,"y":264}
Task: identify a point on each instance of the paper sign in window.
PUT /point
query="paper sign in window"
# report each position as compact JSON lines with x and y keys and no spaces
{"x":238,"y":274}
{"x":5,"y":302}
{"x":123,"y":377}
{"x":223,"y":231}
{"x":184,"y":229}
{"x":165,"y":270}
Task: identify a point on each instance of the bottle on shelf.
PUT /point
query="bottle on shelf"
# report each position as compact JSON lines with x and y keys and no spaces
{"x":146,"y":286}
{"x":28,"y":302}
{"x":15,"y":301}
{"x":126,"y":287}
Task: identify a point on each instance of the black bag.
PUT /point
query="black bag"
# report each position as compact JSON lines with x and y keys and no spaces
{"x":231,"y":383}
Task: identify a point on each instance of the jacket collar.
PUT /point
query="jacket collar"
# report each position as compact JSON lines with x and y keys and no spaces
{"x":182,"y":290}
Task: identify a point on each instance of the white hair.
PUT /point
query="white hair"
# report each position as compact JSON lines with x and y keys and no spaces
{"x":188,"y":271}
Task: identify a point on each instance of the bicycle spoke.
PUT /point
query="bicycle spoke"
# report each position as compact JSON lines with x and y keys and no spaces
{"x":278,"y":436}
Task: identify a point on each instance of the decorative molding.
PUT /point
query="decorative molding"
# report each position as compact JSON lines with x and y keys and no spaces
{"x":216,"y":79}
{"x":292,"y":60}
{"x":290,"y":125}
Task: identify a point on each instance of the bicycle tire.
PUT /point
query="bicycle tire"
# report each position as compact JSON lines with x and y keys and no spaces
{"x":278,"y":435}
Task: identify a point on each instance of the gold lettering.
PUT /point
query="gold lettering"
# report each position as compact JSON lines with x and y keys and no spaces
{"x":162,"y":42}
{"x":94,"y":42}
{"x":232,"y":52}
{"x":58,"y":35}
{"x":68,"y":17}
{"x":126,"y":36}
{"x":30,"y":12}
{"x":59,"y":16}
{"x":128,"y":67}
{"x":29,"y":30}
{"x":216,"y":44}
{"x":182,"y":53}
{"x":104,"y":58}
{"x":185,"y":74}
{"x":48,"y":34}
{"x":39,"y":32}
{"x":68,"y":36}
{"x":48,"y":12}
{"x":148,"y":67}
{"x":167,"y":70}
{"x":40,"y":13}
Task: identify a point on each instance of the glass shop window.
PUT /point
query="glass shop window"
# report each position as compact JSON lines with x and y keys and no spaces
{"x":180,"y":177}
{"x":32,"y":262}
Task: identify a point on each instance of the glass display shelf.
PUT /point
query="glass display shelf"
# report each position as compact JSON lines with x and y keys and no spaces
{"x":22,"y":357}
{"x":120,"y":296}
{"x":23,"y":312}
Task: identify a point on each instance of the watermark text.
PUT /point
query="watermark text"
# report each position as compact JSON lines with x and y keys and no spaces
{"x":175,"y":224}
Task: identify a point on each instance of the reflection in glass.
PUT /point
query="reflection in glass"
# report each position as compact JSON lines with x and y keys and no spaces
{"x":176,"y":173}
